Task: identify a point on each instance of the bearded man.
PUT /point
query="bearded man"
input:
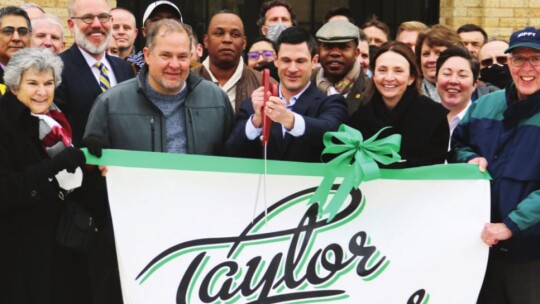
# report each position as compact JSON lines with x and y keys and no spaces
{"x":88,"y":70}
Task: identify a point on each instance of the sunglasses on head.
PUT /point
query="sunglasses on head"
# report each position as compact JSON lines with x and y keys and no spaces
{"x":265,"y":54}
{"x":10,"y":30}
{"x":489,"y":61}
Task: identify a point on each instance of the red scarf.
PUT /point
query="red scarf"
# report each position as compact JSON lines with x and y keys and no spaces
{"x":54,"y":131}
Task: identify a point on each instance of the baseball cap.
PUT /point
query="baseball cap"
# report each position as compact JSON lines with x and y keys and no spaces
{"x":152,"y":6}
{"x":338,"y":31}
{"x":528,"y":37}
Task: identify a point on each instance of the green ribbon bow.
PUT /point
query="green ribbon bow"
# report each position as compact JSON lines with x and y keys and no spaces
{"x":356,"y":161}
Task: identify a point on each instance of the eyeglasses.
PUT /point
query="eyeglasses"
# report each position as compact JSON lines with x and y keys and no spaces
{"x":88,"y":19}
{"x":489,"y":61}
{"x":519,"y":61}
{"x":265,"y":54}
{"x":10,"y":30}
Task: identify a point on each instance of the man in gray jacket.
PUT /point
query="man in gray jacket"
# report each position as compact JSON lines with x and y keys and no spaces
{"x":166,"y":108}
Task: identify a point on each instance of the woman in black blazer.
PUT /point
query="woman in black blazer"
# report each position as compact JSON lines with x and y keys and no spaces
{"x":395,"y":101}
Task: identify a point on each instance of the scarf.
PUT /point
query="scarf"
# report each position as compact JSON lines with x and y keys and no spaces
{"x":517,"y":110}
{"x":341,"y":87}
{"x":55,"y":135}
{"x":54,"y":131}
{"x":430,"y":90}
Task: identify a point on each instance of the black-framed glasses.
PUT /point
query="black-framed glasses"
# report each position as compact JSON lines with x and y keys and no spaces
{"x":10,"y":30}
{"x":489,"y":61}
{"x":519,"y":60}
{"x":88,"y":19}
{"x":265,"y":54}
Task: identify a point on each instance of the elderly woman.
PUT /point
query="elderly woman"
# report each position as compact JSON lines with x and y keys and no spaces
{"x":396,"y":102}
{"x":38,"y":169}
{"x":429,"y":46}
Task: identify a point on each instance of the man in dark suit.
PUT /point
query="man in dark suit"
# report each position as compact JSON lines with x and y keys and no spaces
{"x":91,"y":24}
{"x":300,"y":115}
{"x":82,"y":81}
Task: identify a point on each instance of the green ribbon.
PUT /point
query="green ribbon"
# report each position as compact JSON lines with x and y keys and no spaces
{"x":356,"y":160}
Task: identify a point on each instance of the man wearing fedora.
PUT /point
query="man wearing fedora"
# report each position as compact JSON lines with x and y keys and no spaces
{"x":501,"y":133}
{"x":340,"y":71}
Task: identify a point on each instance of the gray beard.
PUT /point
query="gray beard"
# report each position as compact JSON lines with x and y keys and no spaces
{"x":81,"y":41}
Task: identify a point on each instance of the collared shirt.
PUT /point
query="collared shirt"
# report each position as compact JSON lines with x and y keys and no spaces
{"x":91,"y":61}
{"x":298,"y":129}
{"x":230,"y":86}
{"x":454,"y":122}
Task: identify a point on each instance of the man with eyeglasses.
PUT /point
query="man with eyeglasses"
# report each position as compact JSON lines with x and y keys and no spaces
{"x":15,"y":31}
{"x":340,"y":72}
{"x":494,"y":63}
{"x":86,"y":63}
{"x":501,"y":133}
{"x":89,"y":71}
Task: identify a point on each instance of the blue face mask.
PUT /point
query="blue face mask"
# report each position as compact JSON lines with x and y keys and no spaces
{"x":273,"y":31}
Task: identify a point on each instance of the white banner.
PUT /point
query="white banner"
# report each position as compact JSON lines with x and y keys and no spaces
{"x":187,"y":236}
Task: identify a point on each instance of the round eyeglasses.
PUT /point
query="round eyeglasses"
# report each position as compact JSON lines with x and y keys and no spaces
{"x":519,"y":60}
{"x":88,"y":19}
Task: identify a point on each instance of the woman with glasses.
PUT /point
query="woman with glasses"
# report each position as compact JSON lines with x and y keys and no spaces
{"x":501,"y":133}
{"x":261,"y":55}
{"x":261,"y":51}
{"x":39,"y":171}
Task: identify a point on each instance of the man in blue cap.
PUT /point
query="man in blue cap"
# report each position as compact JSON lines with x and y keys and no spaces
{"x":501,"y":133}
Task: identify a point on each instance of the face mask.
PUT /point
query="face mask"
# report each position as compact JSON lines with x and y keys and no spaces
{"x":497,"y":75}
{"x":273,"y":31}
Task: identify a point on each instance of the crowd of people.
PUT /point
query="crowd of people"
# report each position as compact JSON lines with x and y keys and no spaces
{"x":453,"y":96}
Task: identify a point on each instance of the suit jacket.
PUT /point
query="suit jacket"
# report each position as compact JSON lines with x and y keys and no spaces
{"x":321,"y":114}
{"x":79,"y":88}
{"x":355,"y":98}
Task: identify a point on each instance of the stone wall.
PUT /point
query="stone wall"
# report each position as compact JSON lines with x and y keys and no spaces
{"x":54,"y":7}
{"x":500,"y":18}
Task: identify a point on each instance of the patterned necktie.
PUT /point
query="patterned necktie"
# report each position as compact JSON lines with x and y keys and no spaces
{"x":104,"y":82}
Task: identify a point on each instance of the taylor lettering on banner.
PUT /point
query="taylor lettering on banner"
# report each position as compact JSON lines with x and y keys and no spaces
{"x":188,"y":230}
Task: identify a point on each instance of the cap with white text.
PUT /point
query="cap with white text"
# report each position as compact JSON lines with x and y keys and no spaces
{"x":528,"y":37}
